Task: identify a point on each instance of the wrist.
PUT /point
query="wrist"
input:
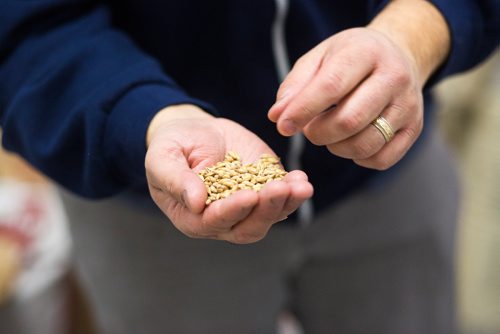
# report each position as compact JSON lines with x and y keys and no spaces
{"x":172,"y":113}
{"x":419,"y":30}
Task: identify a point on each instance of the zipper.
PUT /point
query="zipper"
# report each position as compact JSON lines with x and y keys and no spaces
{"x":282,"y":63}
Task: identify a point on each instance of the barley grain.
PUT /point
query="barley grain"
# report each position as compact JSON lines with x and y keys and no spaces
{"x":231,"y":175}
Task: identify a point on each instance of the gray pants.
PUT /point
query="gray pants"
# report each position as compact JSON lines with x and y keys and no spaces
{"x":379,"y":262}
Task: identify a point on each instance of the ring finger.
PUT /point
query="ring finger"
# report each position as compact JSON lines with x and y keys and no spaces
{"x":370,"y":140}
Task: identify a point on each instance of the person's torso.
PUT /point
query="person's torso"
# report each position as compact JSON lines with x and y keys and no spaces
{"x":222,"y":52}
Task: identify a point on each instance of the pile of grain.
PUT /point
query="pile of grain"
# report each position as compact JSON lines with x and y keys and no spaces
{"x":231,"y":175}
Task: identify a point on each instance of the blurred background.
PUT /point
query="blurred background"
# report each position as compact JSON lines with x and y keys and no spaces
{"x":39,"y":294}
{"x":38,"y":291}
{"x":470,"y":120}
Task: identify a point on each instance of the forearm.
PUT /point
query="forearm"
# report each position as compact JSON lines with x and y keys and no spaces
{"x":72,"y":107}
{"x":419,"y":29}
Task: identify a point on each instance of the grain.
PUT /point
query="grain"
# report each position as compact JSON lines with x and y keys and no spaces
{"x":231,"y":175}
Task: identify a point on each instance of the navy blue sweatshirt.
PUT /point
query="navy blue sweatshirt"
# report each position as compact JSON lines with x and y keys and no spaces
{"x":80,"y":80}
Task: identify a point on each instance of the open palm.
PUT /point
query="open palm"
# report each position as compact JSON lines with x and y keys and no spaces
{"x":182,"y":147}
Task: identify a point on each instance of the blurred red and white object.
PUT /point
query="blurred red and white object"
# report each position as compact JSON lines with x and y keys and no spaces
{"x":34,"y":252}
{"x":34,"y":238}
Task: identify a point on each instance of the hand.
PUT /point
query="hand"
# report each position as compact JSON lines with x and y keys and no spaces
{"x":183,"y":140}
{"x":338,"y":88}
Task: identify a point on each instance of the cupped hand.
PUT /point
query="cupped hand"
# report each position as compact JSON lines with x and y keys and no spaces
{"x":337,"y":89}
{"x":183,"y":140}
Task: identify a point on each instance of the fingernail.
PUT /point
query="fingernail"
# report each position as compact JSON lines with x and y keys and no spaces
{"x":280,"y":101}
{"x":273,"y":113}
{"x":288,"y":127}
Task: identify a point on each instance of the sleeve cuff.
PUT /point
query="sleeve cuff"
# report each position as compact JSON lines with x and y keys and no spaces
{"x":466,"y":26}
{"x":125,"y":134}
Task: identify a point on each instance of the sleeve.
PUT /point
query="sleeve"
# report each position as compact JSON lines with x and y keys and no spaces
{"x":475,"y":31}
{"x":76,"y":95}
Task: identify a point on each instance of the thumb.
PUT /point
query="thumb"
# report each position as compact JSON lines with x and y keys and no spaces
{"x":300,"y":75}
{"x":173,"y":176}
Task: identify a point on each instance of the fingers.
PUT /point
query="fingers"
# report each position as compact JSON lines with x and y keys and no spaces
{"x":277,"y":200}
{"x":171,"y":174}
{"x":220,"y":216}
{"x":244,"y":217}
{"x":369,"y":148}
{"x":268,"y":211}
{"x":295,"y":175}
{"x":370,"y":140}
{"x":301,"y":191}
{"x":353,"y":114}
{"x":393,"y":151}
{"x":302,"y":72}
{"x":360,"y":146}
{"x":335,"y":79}
{"x":361,"y":76}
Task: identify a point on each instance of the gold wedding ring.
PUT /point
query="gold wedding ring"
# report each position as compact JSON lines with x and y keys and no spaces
{"x":381,"y":124}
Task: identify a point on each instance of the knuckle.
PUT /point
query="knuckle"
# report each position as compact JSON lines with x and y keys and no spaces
{"x":333,"y":149}
{"x":397,"y":108}
{"x":400,"y":77}
{"x":283,"y":88}
{"x":410,"y":133}
{"x":300,"y":62}
{"x":332,"y":84}
{"x":306,"y":113}
{"x":371,"y":49}
{"x":349,"y":124}
{"x":382,"y":163}
{"x":314,"y":137}
{"x":376,"y":162}
{"x":413,"y":103}
{"x":362,"y":150}
{"x":315,"y":140}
